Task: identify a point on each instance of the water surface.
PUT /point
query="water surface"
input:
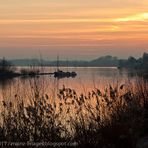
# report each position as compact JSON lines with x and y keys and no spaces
{"x":87,"y":78}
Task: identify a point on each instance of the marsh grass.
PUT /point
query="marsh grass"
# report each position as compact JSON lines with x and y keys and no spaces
{"x":113,"y":118}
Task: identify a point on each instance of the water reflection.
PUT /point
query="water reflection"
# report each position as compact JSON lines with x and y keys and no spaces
{"x":87,"y":78}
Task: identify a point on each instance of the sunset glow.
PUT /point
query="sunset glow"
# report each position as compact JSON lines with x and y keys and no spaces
{"x":81,"y":28}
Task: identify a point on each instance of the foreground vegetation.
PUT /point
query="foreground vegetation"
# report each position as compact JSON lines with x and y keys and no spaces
{"x":115,"y":117}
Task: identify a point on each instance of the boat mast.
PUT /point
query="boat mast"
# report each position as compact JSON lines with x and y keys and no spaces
{"x":57,"y":62}
{"x":67,"y":64}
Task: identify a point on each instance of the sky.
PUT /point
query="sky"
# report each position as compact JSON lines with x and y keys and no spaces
{"x":74,"y":29}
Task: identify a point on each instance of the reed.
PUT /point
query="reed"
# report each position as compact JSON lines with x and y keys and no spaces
{"x":113,"y":118}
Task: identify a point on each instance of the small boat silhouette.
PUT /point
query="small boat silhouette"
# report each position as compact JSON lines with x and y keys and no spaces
{"x":62,"y":74}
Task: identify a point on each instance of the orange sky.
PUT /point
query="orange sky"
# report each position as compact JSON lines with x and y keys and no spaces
{"x":73,"y":28}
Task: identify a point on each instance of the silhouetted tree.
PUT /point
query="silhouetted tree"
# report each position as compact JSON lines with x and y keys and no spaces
{"x":145,"y":58}
{"x":6,"y":66}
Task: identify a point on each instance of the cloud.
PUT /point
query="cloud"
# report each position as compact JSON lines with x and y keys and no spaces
{"x":137,"y":17}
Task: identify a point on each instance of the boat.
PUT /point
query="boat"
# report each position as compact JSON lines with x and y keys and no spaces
{"x":62,"y":74}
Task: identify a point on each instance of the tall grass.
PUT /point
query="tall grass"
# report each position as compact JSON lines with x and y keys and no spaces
{"x":113,"y":118}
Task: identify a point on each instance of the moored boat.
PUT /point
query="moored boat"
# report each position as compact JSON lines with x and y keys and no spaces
{"x":62,"y":74}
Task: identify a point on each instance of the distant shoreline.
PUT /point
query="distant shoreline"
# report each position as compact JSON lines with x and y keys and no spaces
{"x":104,"y":61}
{"x":115,"y":67}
